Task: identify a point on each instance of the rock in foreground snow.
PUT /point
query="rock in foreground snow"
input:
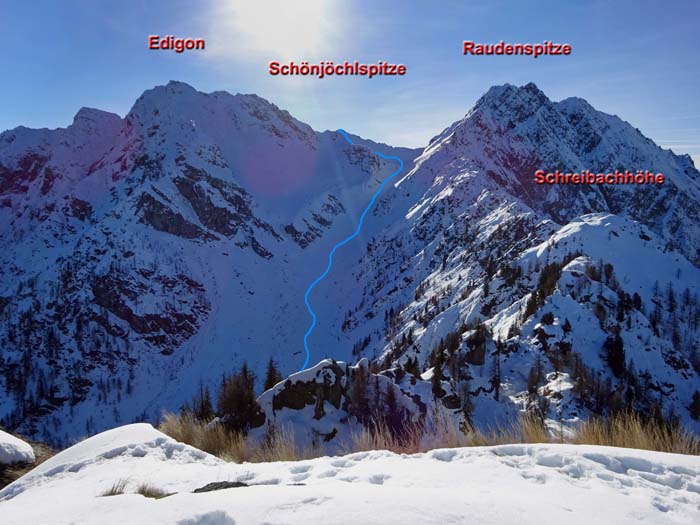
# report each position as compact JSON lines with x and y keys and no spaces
{"x":504,"y":484}
{"x":14,"y":450}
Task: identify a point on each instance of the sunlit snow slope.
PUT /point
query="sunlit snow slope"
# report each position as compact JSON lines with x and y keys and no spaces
{"x":510,"y":484}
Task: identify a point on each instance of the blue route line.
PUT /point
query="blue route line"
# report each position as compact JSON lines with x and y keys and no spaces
{"x":343,"y":242}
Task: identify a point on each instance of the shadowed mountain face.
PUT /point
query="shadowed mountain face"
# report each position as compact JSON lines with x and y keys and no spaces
{"x":143,"y":255}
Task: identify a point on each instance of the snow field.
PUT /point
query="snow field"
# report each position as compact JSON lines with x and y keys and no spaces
{"x":503,"y":484}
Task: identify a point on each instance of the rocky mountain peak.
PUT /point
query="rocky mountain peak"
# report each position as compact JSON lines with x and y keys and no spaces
{"x":510,"y":99}
{"x":178,"y":106}
{"x":95,"y":120}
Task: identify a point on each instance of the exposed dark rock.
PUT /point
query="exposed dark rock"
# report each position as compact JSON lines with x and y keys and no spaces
{"x":162,"y":218}
{"x":297,"y":395}
{"x":220,"y":485}
{"x":200,"y":189}
{"x":172,"y":325}
{"x":303,"y":239}
{"x":19,"y":179}
{"x":79,"y":209}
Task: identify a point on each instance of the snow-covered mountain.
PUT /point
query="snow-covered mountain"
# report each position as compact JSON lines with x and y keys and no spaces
{"x":142,"y":256}
{"x":565,"y":300}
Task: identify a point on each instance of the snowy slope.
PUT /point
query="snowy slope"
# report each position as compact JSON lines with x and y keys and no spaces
{"x":14,"y":450}
{"x":499,"y":485}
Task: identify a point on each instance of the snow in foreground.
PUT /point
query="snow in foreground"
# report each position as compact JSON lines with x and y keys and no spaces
{"x":14,"y":450}
{"x":505,"y":484}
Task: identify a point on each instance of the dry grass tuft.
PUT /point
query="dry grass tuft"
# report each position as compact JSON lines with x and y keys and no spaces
{"x":440,"y":431}
{"x":215,"y":439}
{"x":149,"y":491}
{"x":145,"y":489}
{"x":629,"y":430}
{"x":118,"y":488}
{"x":278,"y":445}
{"x":183,"y":428}
{"x":532,"y":429}
{"x":377,"y":436}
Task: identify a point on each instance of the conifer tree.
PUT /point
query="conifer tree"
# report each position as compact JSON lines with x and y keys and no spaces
{"x":272,"y":376}
{"x":532,"y":382}
{"x":359,"y":396}
{"x":465,"y":397}
{"x":236,"y":402}
{"x":496,"y":369}
{"x":202,"y":407}
{"x":566,"y":327}
{"x":399,"y":373}
{"x":393,"y":414}
{"x":695,"y":406}
{"x":436,"y":381}
{"x":637,"y":302}
{"x":615,"y":354}
{"x":671,"y":298}
{"x":412,"y":366}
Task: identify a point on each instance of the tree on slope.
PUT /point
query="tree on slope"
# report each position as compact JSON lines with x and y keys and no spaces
{"x":695,"y":406}
{"x":272,"y":376}
{"x":236,"y":403}
{"x":358,"y":395}
{"x":202,"y":407}
{"x":615,"y":354}
{"x":496,"y":369}
{"x":393,"y":414}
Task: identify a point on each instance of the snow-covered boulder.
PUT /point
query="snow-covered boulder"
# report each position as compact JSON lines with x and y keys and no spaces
{"x":14,"y":450}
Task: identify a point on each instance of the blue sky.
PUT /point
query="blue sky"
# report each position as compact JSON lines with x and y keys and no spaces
{"x":638,"y":60}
